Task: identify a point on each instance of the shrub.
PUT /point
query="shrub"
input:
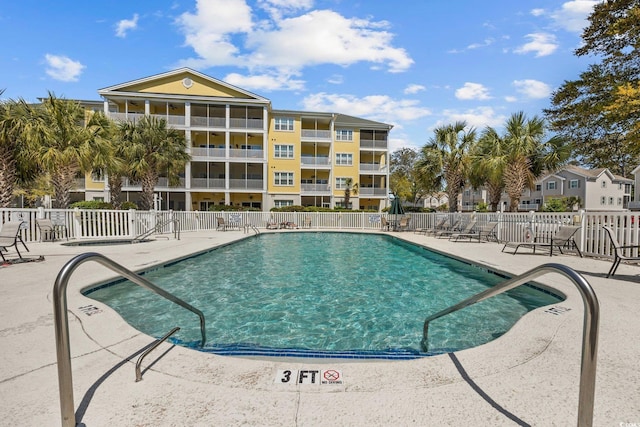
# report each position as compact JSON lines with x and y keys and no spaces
{"x":92,"y":204}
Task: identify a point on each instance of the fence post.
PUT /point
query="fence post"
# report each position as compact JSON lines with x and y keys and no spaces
{"x":40,"y":214}
{"x":131,"y":215}
{"x":583,"y":229}
{"x":77,"y":223}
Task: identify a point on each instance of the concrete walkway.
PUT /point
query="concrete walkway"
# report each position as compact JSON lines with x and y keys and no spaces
{"x":528,"y":376}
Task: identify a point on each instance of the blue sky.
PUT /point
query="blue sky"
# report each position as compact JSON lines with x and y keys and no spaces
{"x":413,"y":64}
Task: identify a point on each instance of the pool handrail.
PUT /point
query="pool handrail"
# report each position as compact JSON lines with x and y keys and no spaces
{"x":61,"y":322}
{"x":589,"y":332}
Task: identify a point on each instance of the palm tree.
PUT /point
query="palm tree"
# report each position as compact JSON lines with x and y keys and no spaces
{"x":349,"y":189}
{"x":14,"y":123}
{"x":446,"y":158}
{"x":153,"y":149}
{"x":527,"y":155}
{"x":65,"y":140}
{"x":488,"y":166}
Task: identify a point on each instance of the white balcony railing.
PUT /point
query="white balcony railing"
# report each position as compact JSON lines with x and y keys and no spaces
{"x":316,"y":135}
{"x":246,"y":184}
{"x":315,"y":188}
{"x":207,"y":152}
{"x":207,"y":183}
{"x":246,"y":154}
{"x":372,"y":167}
{"x":315,"y":161}
{"x":243,"y":123}
{"x":373,"y":191}
{"x":376,"y":145}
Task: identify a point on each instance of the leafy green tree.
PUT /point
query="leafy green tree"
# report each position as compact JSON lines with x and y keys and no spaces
{"x":445,"y":158}
{"x":406,"y":179}
{"x":15,"y":121}
{"x":488,"y":164}
{"x":350,"y":188}
{"x":527,"y":154}
{"x":65,"y":140}
{"x":153,"y":149}
{"x":594,"y":111}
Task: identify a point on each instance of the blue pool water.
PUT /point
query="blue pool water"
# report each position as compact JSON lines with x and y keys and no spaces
{"x":321,"y":294}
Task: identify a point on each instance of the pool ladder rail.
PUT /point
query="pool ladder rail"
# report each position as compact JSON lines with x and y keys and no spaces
{"x":158,"y":229}
{"x":589,"y":331}
{"x":248,"y":227}
{"x":61,"y":322}
{"x":150,"y":349}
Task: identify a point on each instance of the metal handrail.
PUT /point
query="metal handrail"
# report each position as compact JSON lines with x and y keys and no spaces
{"x":589,"y":333}
{"x":150,"y":349}
{"x":61,"y":321}
{"x":176,"y":230}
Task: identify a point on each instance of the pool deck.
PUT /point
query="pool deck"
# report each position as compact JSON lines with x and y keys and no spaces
{"x":528,"y":376}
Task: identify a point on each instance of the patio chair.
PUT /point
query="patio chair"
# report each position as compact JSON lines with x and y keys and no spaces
{"x":619,"y":252}
{"x":47,"y":229}
{"x":385,"y":224}
{"x":10,"y":236}
{"x":465,"y":230}
{"x":403,"y":225}
{"x":564,"y":237}
{"x":307,"y":222}
{"x":221,"y":224}
{"x":272,"y":225}
{"x":485,"y":232}
{"x":437,"y":226}
{"x":452,"y":228}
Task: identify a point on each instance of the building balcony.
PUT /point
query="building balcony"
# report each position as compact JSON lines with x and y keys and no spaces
{"x":172,"y":120}
{"x":208,"y":152}
{"x":528,"y":206}
{"x":217,"y":183}
{"x":373,"y":145}
{"x":312,"y":135}
{"x":246,"y":184}
{"x":244,"y":123}
{"x":213,"y":122}
{"x":315,"y":162}
{"x":315,"y":189}
{"x":241,"y":153}
{"x":373,"y":192}
{"x":372,"y":168}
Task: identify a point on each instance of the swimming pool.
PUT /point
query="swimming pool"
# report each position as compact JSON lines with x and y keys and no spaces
{"x":322,"y":294}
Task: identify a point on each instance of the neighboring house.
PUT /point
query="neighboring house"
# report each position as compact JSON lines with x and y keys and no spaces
{"x":434,"y":201}
{"x":245,"y":153}
{"x":597,"y":190}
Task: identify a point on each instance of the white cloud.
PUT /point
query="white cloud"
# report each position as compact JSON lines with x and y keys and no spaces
{"x":60,"y":67}
{"x":478,"y":117}
{"x":573,"y":14}
{"x":542,"y":44}
{"x":414,"y":88}
{"x":485,"y":43}
{"x":222,"y":32}
{"x":265,"y":82}
{"x":511,"y":99}
{"x":532,"y":88}
{"x":374,"y":107}
{"x":125,"y":25}
{"x":472,"y":91}
{"x":537,"y":12}
{"x":336,"y":79}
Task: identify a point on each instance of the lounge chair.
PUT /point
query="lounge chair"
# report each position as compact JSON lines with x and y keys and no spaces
{"x":564,"y":237}
{"x":272,"y":225}
{"x":484,"y":232}
{"x":10,"y":236}
{"x":452,"y":228}
{"x":221,"y":224}
{"x":619,"y":252}
{"x":288,"y":224}
{"x":438,"y":226}
{"x":47,"y":229}
{"x":403,"y":225}
{"x":465,"y":230}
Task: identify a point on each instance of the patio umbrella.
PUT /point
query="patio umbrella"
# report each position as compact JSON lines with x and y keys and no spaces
{"x":396,"y":208}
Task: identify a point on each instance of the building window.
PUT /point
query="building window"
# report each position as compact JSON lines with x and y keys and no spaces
{"x":551,"y":185}
{"x":283,"y":123}
{"x":574,"y":183}
{"x":610,"y":200}
{"x":344,"y":135}
{"x":538,"y":187}
{"x":619,"y":201}
{"x":97,"y":175}
{"x":344,"y":159}
{"x":341,"y":183}
{"x":283,"y":151}
{"x":603,"y":200}
{"x":604,"y":184}
{"x":467,"y":193}
{"x":538,"y":202}
{"x":283,"y":178}
{"x":282,"y":203}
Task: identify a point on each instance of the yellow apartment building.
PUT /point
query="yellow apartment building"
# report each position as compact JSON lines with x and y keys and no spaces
{"x":244,"y":152}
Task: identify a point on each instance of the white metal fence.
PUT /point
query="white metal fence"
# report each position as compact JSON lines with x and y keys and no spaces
{"x":119,"y":224}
